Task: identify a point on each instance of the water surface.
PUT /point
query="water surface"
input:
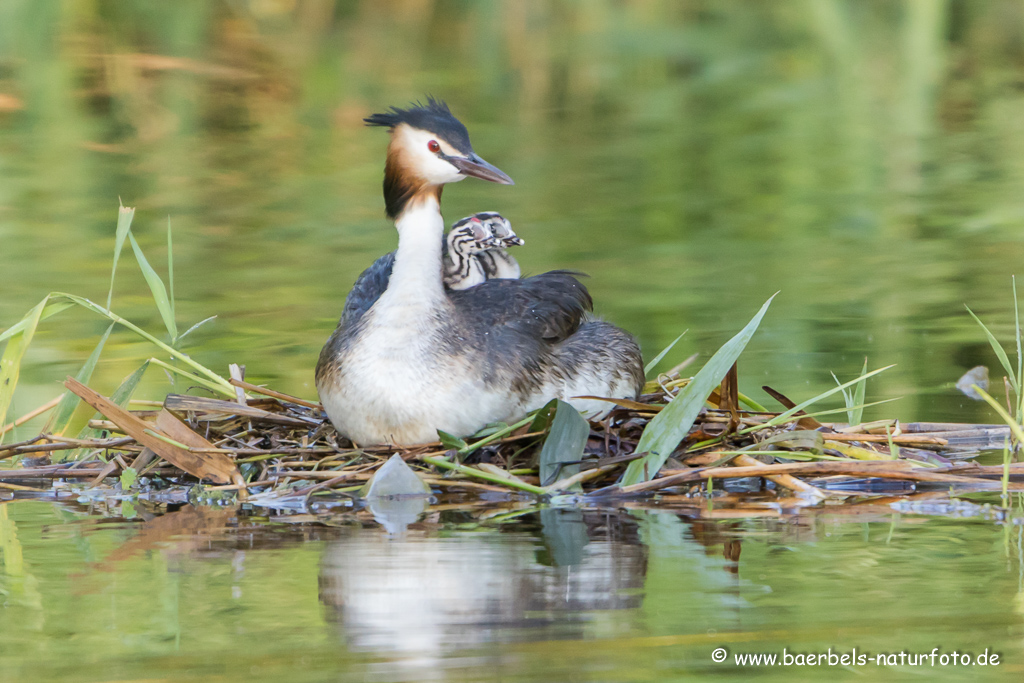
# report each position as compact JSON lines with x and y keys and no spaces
{"x":862,"y":158}
{"x":542,"y":595}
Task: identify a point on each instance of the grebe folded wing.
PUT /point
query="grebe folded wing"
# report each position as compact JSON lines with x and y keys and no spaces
{"x":370,"y":284}
{"x":550,"y":306}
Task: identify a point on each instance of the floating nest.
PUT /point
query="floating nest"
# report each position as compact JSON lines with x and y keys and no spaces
{"x":280,"y":451}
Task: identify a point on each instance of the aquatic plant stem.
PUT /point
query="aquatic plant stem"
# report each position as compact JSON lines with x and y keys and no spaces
{"x":443,"y":463}
{"x":1015,"y":428}
{"x":463,"y":452}
{"x":171,"y":351}
{"x":212,"y":386}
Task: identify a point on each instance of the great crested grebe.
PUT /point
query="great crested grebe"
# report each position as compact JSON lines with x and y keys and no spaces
{"x":410,"y":358}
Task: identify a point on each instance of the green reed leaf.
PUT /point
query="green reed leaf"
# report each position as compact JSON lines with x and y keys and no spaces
{"x":48,"y":310}
{"x":170,"y":267}
{"x":857,"y":414}
{"x":564,"y":444}
{"x":156,"y":286}
{"x":1000,"y":353}
{"x":66,"y":408}
{"x":669,"y":427}
{"x":10,"y":362}
{"x":124,"y":393}
{"x":657,"y":359}
{"x":124,"y":225}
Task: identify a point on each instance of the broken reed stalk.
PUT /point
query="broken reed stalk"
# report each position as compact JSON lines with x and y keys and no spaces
{"x":274,"y":394}
{"x":49,"y":405}
{"x":63,"y":445}
{"x":786,"y":480}
{"x":886,"y":470}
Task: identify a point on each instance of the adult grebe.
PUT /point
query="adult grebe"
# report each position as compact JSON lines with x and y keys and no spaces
{"x":410,"y":358}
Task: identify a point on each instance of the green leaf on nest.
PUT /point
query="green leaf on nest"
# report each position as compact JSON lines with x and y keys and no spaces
{"x":664,"y":352}
{"x":669,"y":427}
{"x":451,"y":441}
{"x":564,"y":444}
{"x":123,"y":393}
{"x":128,"y":477}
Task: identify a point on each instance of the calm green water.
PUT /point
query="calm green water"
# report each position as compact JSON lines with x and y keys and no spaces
{"x":866,"y":159}
{"x":554,"y":595}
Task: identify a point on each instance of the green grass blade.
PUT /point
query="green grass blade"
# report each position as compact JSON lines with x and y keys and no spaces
{"x":10,"y":362}
{"x":832,"y":411}
{"x":751,"y":404}
{"x":124,"y":224}
{"x":657,"y":359}
{"x":1015,"y":428}
{"x":66,"y":408}
{"x":196,"y":327}
{"x":847,"y":399}
{"x":156,"y":286}
{"x":225,"y":387}
{"x":1000,"y":353}
{"x":48,"y":310}
{"x":201,"y":381}
{"x":858,"y":396}
{"x":1020,"y":354}
{"x":495,"y":436}
{"x":544,"y":416}
{"x":664,"y":432}
{"x":450,"y":440}
{"x":441,"y":462}
{"x":564,"y":444}
{"x":124,"y":393}
{"x":170,"y":268}
{"x":121,"y":396}
{"x":792,"y":418}
{"x":783,"y":417}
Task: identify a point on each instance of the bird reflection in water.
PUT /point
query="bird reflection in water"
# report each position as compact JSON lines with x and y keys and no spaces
{"x":424,"y":596}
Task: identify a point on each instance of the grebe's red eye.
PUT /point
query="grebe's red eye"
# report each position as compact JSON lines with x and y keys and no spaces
{"x":433,"y":146}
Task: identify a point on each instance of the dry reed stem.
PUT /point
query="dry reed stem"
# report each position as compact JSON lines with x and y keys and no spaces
{"x":786,"y":480}
{"x":884,"y":470}
{"x":49,"y":405}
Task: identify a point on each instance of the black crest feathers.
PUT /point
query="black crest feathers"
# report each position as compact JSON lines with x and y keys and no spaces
{"x":433,"y":117}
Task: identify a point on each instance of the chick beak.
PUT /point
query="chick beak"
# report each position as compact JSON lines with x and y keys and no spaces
{"x":478,"y":168}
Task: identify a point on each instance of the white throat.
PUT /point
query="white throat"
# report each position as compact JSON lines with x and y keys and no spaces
{"x":416,"y":275}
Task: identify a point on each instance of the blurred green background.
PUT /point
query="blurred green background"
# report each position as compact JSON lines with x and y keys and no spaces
{"x":865,"y":158}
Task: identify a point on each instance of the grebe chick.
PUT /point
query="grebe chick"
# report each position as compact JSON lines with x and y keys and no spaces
{"x":474,"y":251}
{"x":497,"y":263}
{"x":409,"y":357}
{"x":466,"y":240}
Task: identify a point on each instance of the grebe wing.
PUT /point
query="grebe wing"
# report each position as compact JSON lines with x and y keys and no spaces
{"x":550,"y":306}
{"x":370,"y":284}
